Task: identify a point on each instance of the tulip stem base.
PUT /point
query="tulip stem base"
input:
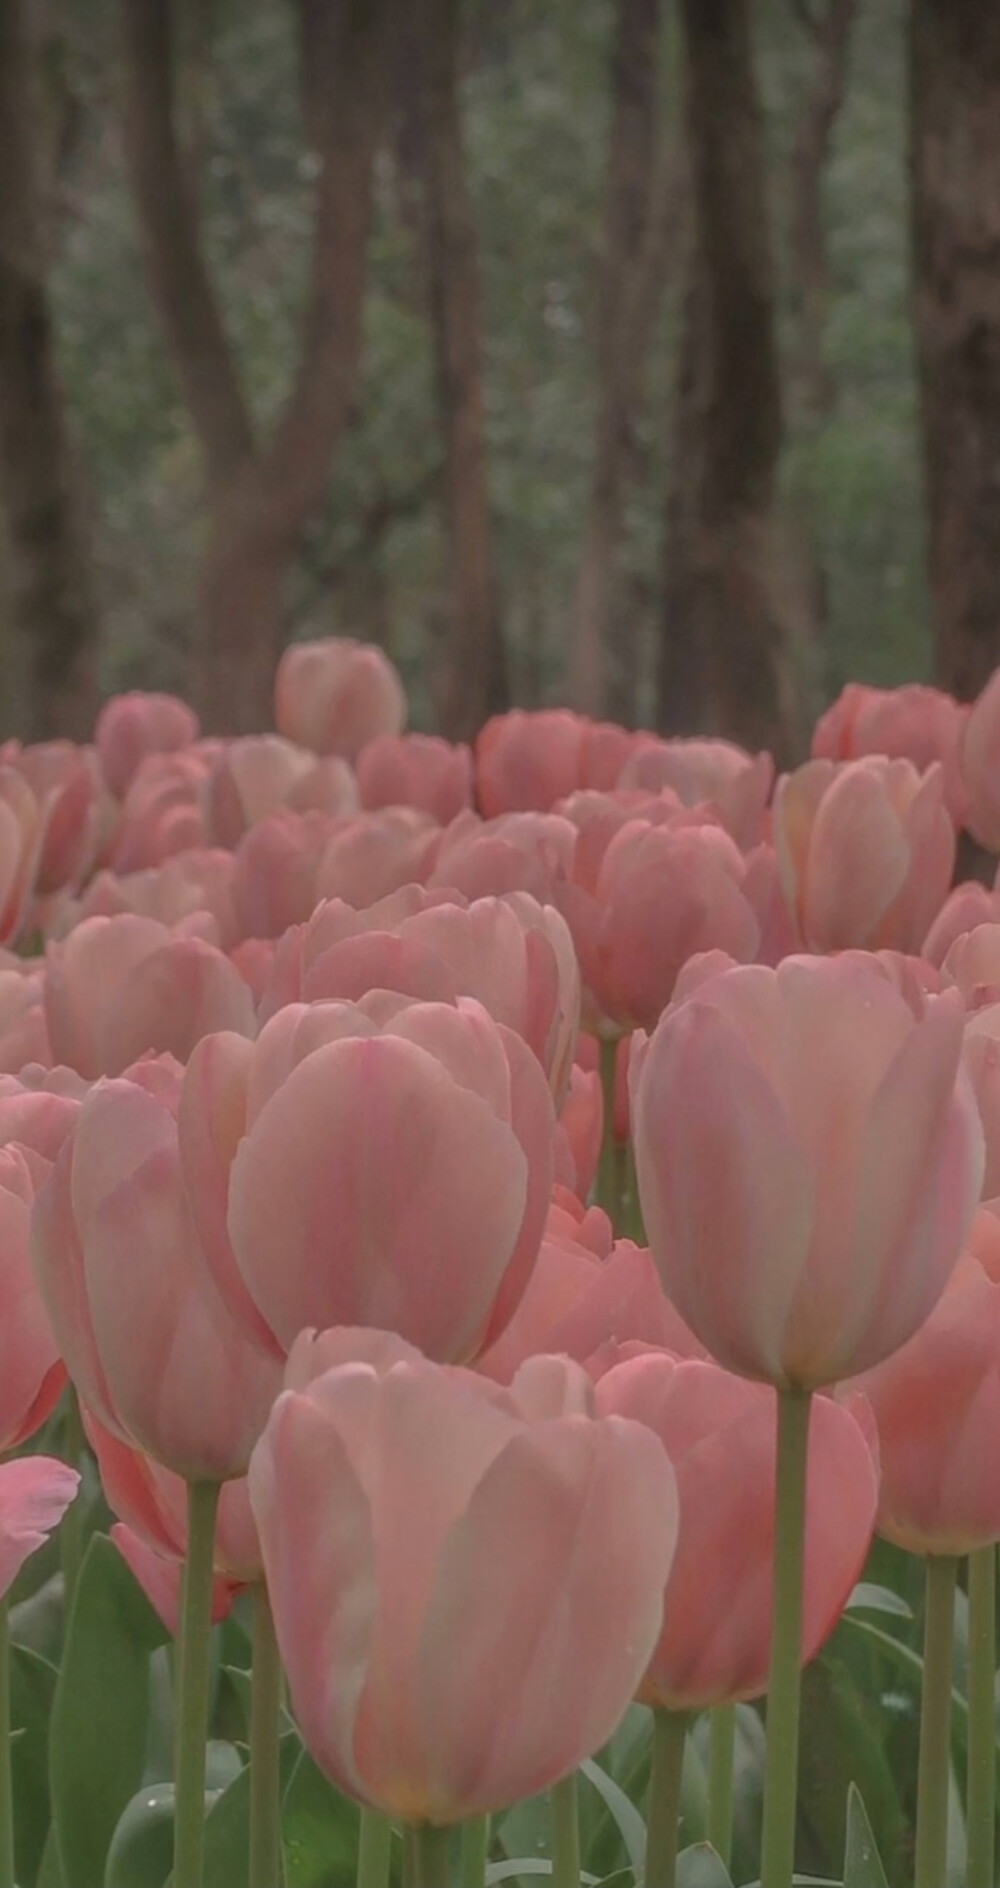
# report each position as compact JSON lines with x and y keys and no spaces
{"x":6,"y":1781}
{"x":781,"y":1768}
{"x":374,"y":1850}
{"x":721,"y":1750}
{"x":565,"y":1834}
{"x":74,"y":1445}
{"x":663,"y":1820}
{"x":981,"y":1806}
{"x":475,"y":1851}
{"x":934,"y":1771}
{"x":432,"y":1854}
{"x":192,"y":1704}
{"x":266,"y":1868}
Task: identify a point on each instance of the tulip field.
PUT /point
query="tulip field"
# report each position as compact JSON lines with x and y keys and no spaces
{"x":500,"y":1255}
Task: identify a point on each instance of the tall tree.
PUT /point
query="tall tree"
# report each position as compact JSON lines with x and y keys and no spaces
{"x":742,"y":609}
{"x":641,"y":202}
{"x":955,"y":173}
{"x":829,"y":24}
{"x":52,"y":591}
{"x":473,"y":680}
{"x":261,"y":493}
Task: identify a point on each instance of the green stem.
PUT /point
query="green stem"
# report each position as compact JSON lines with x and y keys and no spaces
{"x":6,"y":1783}
{"x":565,"y":1834}
{"x":721,"y":1749}
{"x":374,"y":1850}
{"x":663,"y":1820}
{"x":433,"y":1852}
{"x":981,"y":1807}
{"x":265,"y":1725}
{"x":192,"y":1703}
{"x":74,"y":1444}
{"x":781,"y":1765}
{"x":475,"y":1851}
{"x":411,"y":1858}
{"x":934,"y":1771}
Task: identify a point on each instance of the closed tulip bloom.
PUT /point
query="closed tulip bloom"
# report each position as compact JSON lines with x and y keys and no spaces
{"x":526,"y":762}
{"x":517,"y":852}
{"x":980,"y":749}
{"x":737,"y":785}
{"x":145,"y":1333}
{"x":720,"y":1435}
{"x":913,"y":723}
{"x":809,"y":1158}
{"x":32,"y":1373}
{"x":866,"y":850}
{"x":443,"y":1559}
{"x":163,"y":811}
{"x":186,"y":884}
{"x":417,"y":770}
{"x":966,"y":907}
{"x":386,"y":1163}
{"x":514,"y":955}
{"x":336,"y":695}
{"x":117,"y":988}
{"x":973,"y":966}
{"x":131,"y":727}
{"x":66,"y":782}
{"x":937,"y":1407}
{"x":260,"y":773}
{"x":367,"y":858}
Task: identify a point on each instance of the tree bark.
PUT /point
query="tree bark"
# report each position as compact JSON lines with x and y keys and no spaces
{"x":742,"y":609}
{"x":473,"y":682}
{"x":641,"y":196}
{"x":955,"y":175}
{"x":52,"y":591}
{"x":830,"y":25}
{"x":261,"y":495}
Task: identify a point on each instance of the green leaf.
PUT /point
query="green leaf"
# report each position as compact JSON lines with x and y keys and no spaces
{"x":867,"y":1597}
{"x":32,"y":1689}
{"x":700,"y":1867}
{"x":98,"y":1727}
{"x":862,"y":1867}
{"x":319,"y":1829}
{"x":626,"y":1817}
{"x":843,"y":1744}
{"x":141,"y":1852}
{"x":227,"y":1825}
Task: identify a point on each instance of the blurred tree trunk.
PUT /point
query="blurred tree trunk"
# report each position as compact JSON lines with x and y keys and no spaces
{"x":261,"y":494}
{"x":682,"y":675}
{"x":830,"y":24}
{"x":641,"y":205}
{"x":740,"y":603}
{"x":51,"y":586}
{"x":955,"y":159}
{"x":473,"y":682}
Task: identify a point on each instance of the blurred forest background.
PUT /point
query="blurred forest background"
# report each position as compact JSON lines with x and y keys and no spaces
{"x":640,"y":354}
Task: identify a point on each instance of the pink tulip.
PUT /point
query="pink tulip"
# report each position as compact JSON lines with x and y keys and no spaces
{"x":22,"y":836}
{"x":980,"y":748}
{"x":407,"y":1513}
{"x":720,"y":1435}
{"x":173,"y":893}
{"x":809,"y":1157}
{"x":416,"y":770}
{"x":387,"y":1163}
{"x":514,"y":955}
{"x":981,"y":1057}
{"x":735,"y":784}
{"x":24,"y":1036}
{"x":967,"y":906}
{"x":579,"y":1131}
{"x":579,"y":1301}
{"x":35,"y":1492}
{"x":367,"y":858}
{"x":146,"y":1336}
{"x":526,"y":852}
{"x":274,"y":872}
{"x":38,"y":1107}
{"x":131,"y":727}
{"x":117,"y":988}
{"x":912,"y":723}
{"x":973,"y":966}
{"x":866,"y":850}
{"x":526,"y":762}
{"x":937,"y":1406}
{"x":660,"y":897}
{"x":335,"y":696}
{"x":66,"y":782}
{"x":32,"y":1375}
{"x":151,"y":1504}
{"x":261,"y":773}
{"x":163,"y":811}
